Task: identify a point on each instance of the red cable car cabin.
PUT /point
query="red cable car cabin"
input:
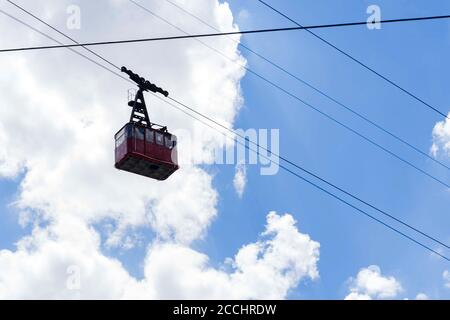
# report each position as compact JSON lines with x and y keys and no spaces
{"x":142,"y":147}
{"x":146,"y":151}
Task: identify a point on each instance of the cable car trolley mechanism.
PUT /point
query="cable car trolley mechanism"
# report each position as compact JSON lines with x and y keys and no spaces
{"x":142,"y":147}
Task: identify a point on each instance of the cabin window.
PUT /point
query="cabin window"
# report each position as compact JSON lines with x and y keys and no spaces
{"x":149,"y":136}
{"x":159,"y":138}
{"x":139,"y":132}
{"x":120,"y":139}
{"x":121,"y":136}
{"x":128,"y":131}
{"x":121,"y":132}
{"x":168,"y":142}
{"x":173,"y":141}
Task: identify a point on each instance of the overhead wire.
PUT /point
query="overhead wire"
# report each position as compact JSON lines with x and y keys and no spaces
{"x":315,"y":185}
{"x":372,"y":70}
{"x":301,"y":177}
{"x":309,"y":105}
{"x":308,"y":84}
{"x":383,"y":212}
{"x":63,"y":34}
{"x":57,"y":41}
{"x":208,"y":35}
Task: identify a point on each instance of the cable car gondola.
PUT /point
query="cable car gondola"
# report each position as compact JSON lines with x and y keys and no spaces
{"x":142,"y":147}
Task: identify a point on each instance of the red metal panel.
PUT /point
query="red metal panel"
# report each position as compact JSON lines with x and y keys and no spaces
{"x":139,"y":146}
{"x":150,"y":150}
{"x":166,"y":155}
{"x":130,"y":145}
{"x":136,"y":155}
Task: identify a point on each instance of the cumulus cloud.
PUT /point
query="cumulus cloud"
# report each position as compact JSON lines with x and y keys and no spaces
{"x":62,"y":138}
{"x":265,"y":269}
{"x":371,"y":284}
{"x":46,"y":262}
{"x":58,"y":117}
{"x":441,"y":139}
{"x":240,"y":179}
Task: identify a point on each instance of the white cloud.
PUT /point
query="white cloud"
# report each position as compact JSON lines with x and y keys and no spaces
{"x":266,"y":269}
{"x":446,"y":277}
{"x":371,"y":284}
{"x":39,"y":266}
{"x":240,"y":179}
{"x":61,"y":137}
{"x":422,"y":296}
{"x":243,"y":15}
{"x":441,"y":139}
{"x":58,"y":117}
{"x":358,"y":296}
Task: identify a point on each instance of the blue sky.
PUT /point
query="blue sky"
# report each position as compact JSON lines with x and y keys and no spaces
{"x":413,"y":55}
